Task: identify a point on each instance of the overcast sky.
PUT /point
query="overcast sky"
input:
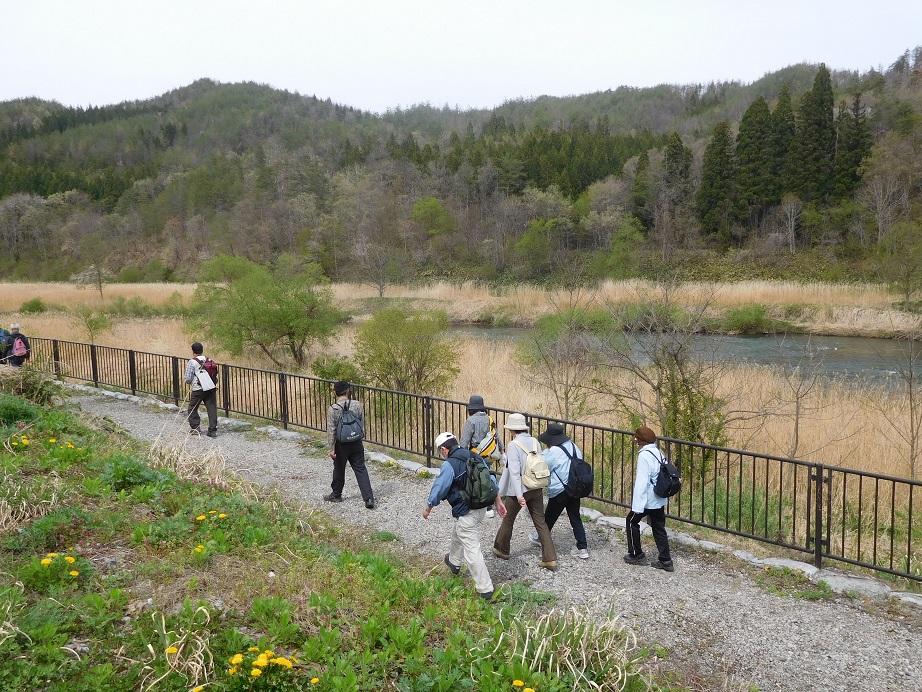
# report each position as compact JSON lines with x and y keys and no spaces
{"x":379,"y":54}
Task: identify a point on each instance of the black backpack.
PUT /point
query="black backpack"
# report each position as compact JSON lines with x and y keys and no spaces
{"x":479,"y":484}
{"x":349,"y":428}
{"x":581,"y":481}
{"x":668,"y":481}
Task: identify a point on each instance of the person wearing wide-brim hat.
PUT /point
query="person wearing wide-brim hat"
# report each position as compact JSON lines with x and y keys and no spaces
{"x":515,"y":497}
{"x":561,"y":450}
{"x":479,"y":435}
{"x":647,"y":504}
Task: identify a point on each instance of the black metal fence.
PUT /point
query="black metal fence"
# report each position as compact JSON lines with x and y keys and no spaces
{"x":851,"y":516}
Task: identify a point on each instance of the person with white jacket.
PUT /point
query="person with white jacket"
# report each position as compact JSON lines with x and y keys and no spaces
{"x":646,"y":503}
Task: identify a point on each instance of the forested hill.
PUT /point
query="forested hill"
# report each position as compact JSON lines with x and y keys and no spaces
{"x":616,"y":183}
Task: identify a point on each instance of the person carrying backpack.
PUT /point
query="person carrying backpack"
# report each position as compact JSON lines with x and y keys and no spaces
{"x":202,"y":375}
{"x":18,"y":348}
{"x":522,"y":485}
{"x":345,"y":431}
{"x":466,"y":483}
{"x":561,"y":455}
{"x":479,"y":435}
{"x":646,"y":503}
{"x":4,"y":344}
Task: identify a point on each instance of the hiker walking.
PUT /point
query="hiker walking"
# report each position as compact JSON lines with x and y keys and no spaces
{"x":202,"y":375}
{"x":18,"y":349}
{"x":522,"y":458}
{"x":646,"y":503}
{"x":560,"y":454}
{"x":479,"y":435}
{"x":345,"y":432}
{"x":469,"y":496}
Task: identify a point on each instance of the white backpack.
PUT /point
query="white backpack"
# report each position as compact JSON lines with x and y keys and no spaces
{"x":535,"y":473}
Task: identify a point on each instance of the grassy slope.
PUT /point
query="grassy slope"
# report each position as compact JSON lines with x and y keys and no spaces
{"x":175,"y":577}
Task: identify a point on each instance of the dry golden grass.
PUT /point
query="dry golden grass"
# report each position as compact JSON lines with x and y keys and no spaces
{"x":67,"y":295}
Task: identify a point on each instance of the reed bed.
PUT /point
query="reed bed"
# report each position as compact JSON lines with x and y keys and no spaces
{"x":69,"y":295}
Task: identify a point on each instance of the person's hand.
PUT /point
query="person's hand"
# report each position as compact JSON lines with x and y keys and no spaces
{"x":500,"y":508}
{"x":522,"y":502}
{"x":426,"y":513}
{"x":333,"y":455}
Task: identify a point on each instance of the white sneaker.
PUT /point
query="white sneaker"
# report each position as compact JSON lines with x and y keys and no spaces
{"x":490,"y":514}
{"x":534,"y":539}
{"x":583,"y":553}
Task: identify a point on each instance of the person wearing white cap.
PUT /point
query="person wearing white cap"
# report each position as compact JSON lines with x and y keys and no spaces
{"x":515,"y":497}
{"x":465,"y":535}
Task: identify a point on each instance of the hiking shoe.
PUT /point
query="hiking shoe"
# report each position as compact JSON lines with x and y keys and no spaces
{"x":550,"y":565}
{"x":490,"y":514}
{"x":636,"y":559}
{"x":195,"y":431}
{"x":486,"y":595}
{"x":333,"y":497}
{"x":534,"y":539}
{"x":212,"y":433}
{"x":583,"y":553}
{"x":455,"y":569}
{"x":497,"y":553}
{"x":665,"y":566}
{"x":371,"y":504}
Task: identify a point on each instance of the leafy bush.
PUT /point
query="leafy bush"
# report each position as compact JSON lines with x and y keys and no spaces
{"x":31,"y":383}
{"x":15,"y":410}
{"x":121,"y":472}
{"x":337,"y":368}
{"x":751,"y":319}
{"x":35,"y":306}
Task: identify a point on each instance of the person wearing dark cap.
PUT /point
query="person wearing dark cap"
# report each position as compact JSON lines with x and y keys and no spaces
{"x":342,"y":452}
{"x":479,"y":435}
{"x":646,"y":503}
{"x":561,"y":450}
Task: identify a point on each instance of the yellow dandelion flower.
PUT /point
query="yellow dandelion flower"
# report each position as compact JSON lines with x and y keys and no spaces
{"x":212,"y":511}
{"x":222,"y":515}
{"x":253,"y":649}
{"x":51,"y":554}
{"x":171,"y":649}
{"x":200,"y":517}
{"x":281,"y":661}
{"x":529,"y":689}
{"x":52,"y":440}
{"x":261,"y":661}
{"x":199,"y":549}
{"x":74,"y":573}
{"x":198,"y":689}
{"x":268,"y":653}
{"x":232,"y":671}
{"x":518,"y":683}
{"x":46,"y":561}
{"x":315,"y":681}
{"x":236,"y":659}
{"x":70,"y":445}
{"x":255,"y":672}
{"x":70,"y":560}
{"x":25,"y":442}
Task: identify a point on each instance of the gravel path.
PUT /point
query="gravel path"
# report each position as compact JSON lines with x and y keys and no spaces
{"x":709,"y":615}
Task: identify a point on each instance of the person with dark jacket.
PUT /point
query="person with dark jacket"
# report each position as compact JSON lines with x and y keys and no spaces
{"x":18,"y":348}
{"x":351,"y":452}
{"x":465,"y":535}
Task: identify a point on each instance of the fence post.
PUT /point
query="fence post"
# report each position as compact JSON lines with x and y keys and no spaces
{"x":94,"y":365}
{"x":56,"y":359}
{"x":132,"y":373}
{"x":428,"y":434}
{"x":283,"y":399}
{"x":174,"y":363}
{"x":225,"y":388}
{"x":818,"y":533}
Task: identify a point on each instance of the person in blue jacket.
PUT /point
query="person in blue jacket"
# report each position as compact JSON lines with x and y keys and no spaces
{"x":646,"y":503}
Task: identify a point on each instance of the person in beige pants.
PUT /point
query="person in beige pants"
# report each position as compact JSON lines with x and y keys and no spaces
{"x":515,"y":497}
{"x":465,"y":535}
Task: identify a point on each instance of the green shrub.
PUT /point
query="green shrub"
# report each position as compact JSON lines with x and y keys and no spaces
{"x":15,"y":410}
{"x":48,"y":532}
{"x":751,"y":319}
{"x":275,"y":616}
{"x":337,"y":368}
{"x":121,"y":472}
{"x":36,"y":306}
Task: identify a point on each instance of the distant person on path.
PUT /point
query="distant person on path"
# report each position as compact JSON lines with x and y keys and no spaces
{"x":646,"y":503}
{"x":465,"y":534}
{"x":18,"y":349}
{"x":479,"y":436}
{"x":516,"y":497}
{"x":4,"y":344}
{"x":201,"y":374}
{"x":560,"y":451}
{"x":345,"y":431}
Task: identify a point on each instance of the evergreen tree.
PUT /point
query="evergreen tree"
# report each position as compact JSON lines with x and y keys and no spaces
{"x":853,"y":145}
{"x":782,"y":142}
{"x":755,"y":162}
{"x":714,"y":204}
{"x":640,"y":190}
{"x":815,"y":142}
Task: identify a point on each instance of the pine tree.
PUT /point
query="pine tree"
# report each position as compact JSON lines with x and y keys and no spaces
{"x":816,"y":141}
{"x":640,"y":190}
{"x":783,"y":133}
{"x":755,"y":162}
{"x":853,"y":145}
{"x":715,"y":201}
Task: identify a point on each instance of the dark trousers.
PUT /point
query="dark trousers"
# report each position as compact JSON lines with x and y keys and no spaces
{"x":354,"y":453}
{"x":534,"y":502}
{"x":559,"y":503}
{"x":656,"y":518}
{"x":210,"y":399}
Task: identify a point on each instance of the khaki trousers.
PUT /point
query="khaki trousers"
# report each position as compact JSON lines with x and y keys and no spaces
{"x":465,"y":547}
{"x":534,"y":502}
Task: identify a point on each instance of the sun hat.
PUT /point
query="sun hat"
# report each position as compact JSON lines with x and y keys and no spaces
{"x":516,"y":421}
{"x":554,"y":435}
{"x":442,"y":438}
{"x":475,"y":403}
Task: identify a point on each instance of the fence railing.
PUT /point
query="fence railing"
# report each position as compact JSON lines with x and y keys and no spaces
{"x":828,"y":512}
